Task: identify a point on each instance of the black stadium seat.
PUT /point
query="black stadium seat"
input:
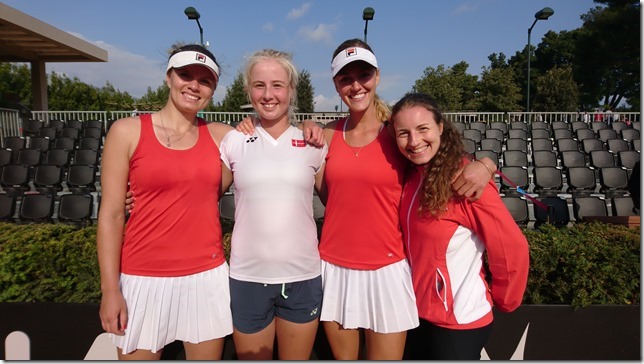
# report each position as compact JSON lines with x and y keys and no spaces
{"x":588,"y":206}
{"x":36,"y":208}
{"x":518,"y":207}
{"x":76,"y":209}
{"x":557,"y":213}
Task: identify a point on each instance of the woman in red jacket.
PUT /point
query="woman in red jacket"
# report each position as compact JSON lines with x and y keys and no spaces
{"x":446,"y":238}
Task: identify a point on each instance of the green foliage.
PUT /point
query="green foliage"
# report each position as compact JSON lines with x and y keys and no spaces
{"x":153,"y":99}
{"x":607,"y":54}
{"x":451,"y":87}
{"x":582,"y":265}
{"x":235,"y":95}
{"x":115,"y":100}
{"x":498,"y":90}
{"x":48,"y":263}
{"x":556,"y":90}
{"x":555,"y":50}
{"x":305,"y":93}
{"x":587,"y":264}
{"x":15,"y":85}
{"x":72,"y":94}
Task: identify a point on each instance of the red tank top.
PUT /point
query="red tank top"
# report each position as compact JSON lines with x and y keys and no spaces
{"x":174,"y":229}
{"x":361,"y":228}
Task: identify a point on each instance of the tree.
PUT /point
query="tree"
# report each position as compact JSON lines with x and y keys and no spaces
{"x":498,"y":90}
{"x":608,"y":54}
{"x":556,"y":90}
{"x":15,"y":85}
{"x":305,"y":93}
{"x":114,"y":99}
{"x":451,"y":87}
{"x":72,"y":94}
{"x":235,"y":95}
{"x":555,"y":50}
{"x":153,"y":100}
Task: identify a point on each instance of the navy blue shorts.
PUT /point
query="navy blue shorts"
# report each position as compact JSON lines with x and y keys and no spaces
{"x":255,"y":305}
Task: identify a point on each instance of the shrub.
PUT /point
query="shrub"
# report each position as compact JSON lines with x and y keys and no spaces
{"x":48,"y":263}
{"x":579,"y":266}
{"x":587,"y":264}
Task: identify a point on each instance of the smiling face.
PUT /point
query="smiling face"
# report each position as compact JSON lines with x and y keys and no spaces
{"x":191,"y":87}
{"x":356,"y":84}
{"x":418,"y":135}
{"x":269,"y":90}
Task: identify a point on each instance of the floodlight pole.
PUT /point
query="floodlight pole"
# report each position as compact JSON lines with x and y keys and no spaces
{"x":367,"y":14}
{"x":193,"y":14}
{"x":542,"y":14}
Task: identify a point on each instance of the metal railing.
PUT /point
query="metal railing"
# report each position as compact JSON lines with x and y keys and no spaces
{"x":11,"y":124}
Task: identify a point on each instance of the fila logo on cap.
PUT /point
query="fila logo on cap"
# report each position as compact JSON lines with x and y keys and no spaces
{"x":351,"y":52}
{"x":201,"y":57}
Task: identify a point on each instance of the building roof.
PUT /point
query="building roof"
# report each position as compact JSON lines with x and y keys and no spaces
{"x":26,"y":39}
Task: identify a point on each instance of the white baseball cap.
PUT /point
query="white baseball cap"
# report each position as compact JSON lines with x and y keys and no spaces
{"x":187,"y":58}
{"x":352,"y":54}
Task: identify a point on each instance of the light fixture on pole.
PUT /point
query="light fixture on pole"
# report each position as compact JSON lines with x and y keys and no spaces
{"x":542,"y":14}
{"x":193,"y":14}
{"x":367,"y":14}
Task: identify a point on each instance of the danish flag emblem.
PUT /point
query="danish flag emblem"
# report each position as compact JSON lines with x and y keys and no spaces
{"x":298,"y":143}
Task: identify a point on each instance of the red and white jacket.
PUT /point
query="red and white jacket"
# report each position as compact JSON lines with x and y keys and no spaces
{"x":446,"y":257}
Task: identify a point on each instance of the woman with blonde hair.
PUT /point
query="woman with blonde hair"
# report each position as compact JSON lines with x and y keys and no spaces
{"x":275,"y":283}
{"x":366,"y":277}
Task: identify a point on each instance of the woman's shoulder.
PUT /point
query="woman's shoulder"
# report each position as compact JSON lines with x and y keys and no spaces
{"x":333,"y":124}
{"x":218,"y":130}
{"x":126,"y":125}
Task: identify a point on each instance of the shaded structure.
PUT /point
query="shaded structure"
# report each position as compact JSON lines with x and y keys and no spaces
{"x":24,"y":38}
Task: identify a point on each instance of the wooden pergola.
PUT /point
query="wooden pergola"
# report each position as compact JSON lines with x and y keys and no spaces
{"x":24,"y":38}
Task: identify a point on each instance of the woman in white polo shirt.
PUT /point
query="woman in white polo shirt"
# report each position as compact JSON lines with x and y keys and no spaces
{"x":275,"y":284}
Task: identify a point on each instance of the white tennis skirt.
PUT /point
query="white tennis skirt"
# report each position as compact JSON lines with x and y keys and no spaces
{"x":381,"y":300}
{"x":192,"y":309}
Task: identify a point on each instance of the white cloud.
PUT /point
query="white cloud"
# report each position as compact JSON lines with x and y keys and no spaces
{"x":465,"y":7}
{"x":268,"y":27}
{"x":297,"y":13}
{"x":322,"y":33}
{"x":124,"y":70}
{"x":327,"y":104}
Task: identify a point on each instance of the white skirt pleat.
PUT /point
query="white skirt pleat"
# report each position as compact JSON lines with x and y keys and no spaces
{"x":192,"y":309}
{"x":381,"y":300}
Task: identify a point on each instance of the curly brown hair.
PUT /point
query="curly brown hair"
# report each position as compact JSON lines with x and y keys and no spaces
{"x":436,"y":190}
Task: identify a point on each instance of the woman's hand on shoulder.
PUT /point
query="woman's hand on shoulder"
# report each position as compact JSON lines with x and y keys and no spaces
{"x":313,"y":133}
{"x":247,"y":125}
{"x":472,"y":179}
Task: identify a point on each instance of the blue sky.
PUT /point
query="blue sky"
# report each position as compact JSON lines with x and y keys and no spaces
{"x":407,"y":36}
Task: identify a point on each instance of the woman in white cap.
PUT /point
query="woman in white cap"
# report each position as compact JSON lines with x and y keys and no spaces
{"x":164,"y":276}
{"x":366,"y":277}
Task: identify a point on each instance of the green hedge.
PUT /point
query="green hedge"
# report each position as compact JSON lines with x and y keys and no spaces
{"x":586,"y":264}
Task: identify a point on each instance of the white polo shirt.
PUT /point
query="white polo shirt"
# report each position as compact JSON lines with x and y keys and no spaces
{"x":274,"y":239}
